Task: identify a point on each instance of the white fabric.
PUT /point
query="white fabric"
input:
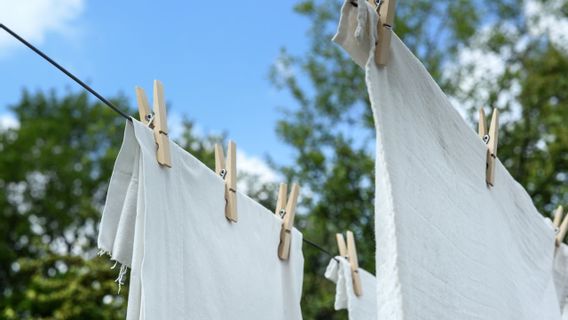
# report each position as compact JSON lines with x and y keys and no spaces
{"x":561,"y":278}
{"x":363,"y":307}
{"x":447,"y":246}
{"x":187,"y":260}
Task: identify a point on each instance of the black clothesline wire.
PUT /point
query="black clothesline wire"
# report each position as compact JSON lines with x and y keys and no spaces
{"x":317,"y":246}
{"x":107,"y":102}
{"x":67,"y":73}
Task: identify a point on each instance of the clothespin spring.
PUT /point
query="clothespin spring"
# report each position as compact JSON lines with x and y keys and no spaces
{"x":156,"y":120}
{"x":150,"y":119}
{"x":378,"y":4}
{"x":223,"y":174}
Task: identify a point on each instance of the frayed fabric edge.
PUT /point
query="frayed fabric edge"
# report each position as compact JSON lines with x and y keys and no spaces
{"x":123,"y":270}
{"x":102,"y":252}
{"x":121,"y":274}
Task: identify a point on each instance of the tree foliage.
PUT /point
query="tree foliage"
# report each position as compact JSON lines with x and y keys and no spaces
{"x":54,"y":172}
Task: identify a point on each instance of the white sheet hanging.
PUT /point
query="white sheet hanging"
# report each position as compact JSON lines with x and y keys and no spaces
{"x":187,"y":260}
{"x":363,"y":307}
{"x":447,"y":246}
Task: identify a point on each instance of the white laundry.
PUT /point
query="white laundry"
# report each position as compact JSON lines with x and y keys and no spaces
{"x":187,"y":261}
{"x":561,"y":278}
{"x":363,"y":307}
{"x":448,"y":247}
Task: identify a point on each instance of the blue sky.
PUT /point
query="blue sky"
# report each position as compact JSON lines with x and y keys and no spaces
{"x":213,"y":58}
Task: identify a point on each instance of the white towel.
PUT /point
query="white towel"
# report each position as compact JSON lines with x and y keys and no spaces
{"x":187,"y":260}
{"x":363,"y":307}
{"x":447,"y":246}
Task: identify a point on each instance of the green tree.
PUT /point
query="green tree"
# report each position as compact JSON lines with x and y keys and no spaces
{"x":54,"y":173}
{"x":331,"y":126}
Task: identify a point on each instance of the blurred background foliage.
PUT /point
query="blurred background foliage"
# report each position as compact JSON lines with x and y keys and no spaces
{"x":55,"y":166}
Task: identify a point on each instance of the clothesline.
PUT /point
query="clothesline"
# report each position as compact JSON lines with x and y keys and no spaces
{"x":108,"y":103}
{"x":67,"y":73}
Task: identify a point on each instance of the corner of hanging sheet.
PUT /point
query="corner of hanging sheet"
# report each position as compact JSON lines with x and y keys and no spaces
{"x":382,"y":33}
{"x":122,"y":271}
{"x":121,"y":274}
{"x":362,"y":17}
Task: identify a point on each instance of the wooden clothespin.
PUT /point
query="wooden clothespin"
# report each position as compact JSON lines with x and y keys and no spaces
{"x":341,"y":245}
{"x":287,"y":214}
{"x":156,"y":120}
{"x":386,"y":11}
{"x":558,"y":214}
{"x":491,"y":139}
{"x":282,"y":199}
{"x":229,"y":174}
{"x":350,"y":252}
{"x":563,"y":227}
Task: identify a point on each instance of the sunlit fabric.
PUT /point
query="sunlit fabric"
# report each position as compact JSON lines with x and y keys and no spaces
{"x":448,"y":247}
{"x":187,"y":261}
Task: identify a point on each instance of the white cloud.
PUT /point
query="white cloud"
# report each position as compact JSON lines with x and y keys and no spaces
{"x":8,"y":121}
{"x":34,"y":19}
{"x":252,"y":165}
